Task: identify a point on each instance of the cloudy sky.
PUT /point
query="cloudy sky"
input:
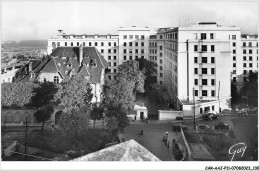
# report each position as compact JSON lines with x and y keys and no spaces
{"x":41,"y":20}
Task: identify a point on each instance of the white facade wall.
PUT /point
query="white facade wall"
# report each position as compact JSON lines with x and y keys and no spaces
{"x":7,"y":75}
{"x":49,"y":77}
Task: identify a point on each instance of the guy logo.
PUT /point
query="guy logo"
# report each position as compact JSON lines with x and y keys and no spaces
{"x":237,"y":151}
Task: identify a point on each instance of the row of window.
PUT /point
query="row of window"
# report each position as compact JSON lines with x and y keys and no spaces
{"x":131,"y":57}
{"x":108,"y":51}
{"x":153,"y":50}
{"x":171,"y":46}
{"x":250,"y":58}
{"x":250,"y":65}
{"x":250,"y":51}
{"x":250,"y":44}
{"x":153,"y":58}
{"x":204,"y":82}
{"x":204,"y":60}
{"x":84,"y":44}
{"x":204,"y":70}
{"x":110,"y":70}
{"x":204,"y":93}
{"x":109,"y":58}
{"x":109,"y":64}
{"x":133,"y":36}
{"x":171,"y":36}
{"x":204,"y":36}
{"x":136,"y":51}
{"x":204,"y":48}
{"x":132,"y":44}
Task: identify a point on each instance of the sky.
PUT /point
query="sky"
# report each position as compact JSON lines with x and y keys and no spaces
{"x":29,"y":20}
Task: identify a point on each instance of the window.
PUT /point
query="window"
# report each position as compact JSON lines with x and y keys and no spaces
{"x":161,"y":68}
{"x":44,"y":80}
{"x":136,"y":43}
{"x":204,"y":71}
{"x":161,"y":61}
{"x":250,"y":44}
{"x":213,"y":82}
{"x":161,"y":36}
{"x":136,"y":36}
{"x":136,"y":57}
{"x":109,"y":63}
{"x":71,"y":43}
{"x":233,"y":37}
{"x":234,"y":44}
{"x":204,"y":82}
{"x":96,"y":43}
{"x":84,"y":44}
{"x":244,"y":72}
{"x":102,"y":43}
{"x":102,"y":50}
{"x":195,"y":59}
{"x":195,"y":70}
{"x":212,"y":70}
{"x":125,"y":36}
{"x":211,"y":36}
{"x":114,"y":63}
{"x":234,"y":65}
{"x":204,"y":48}
{"x":124,"y":50}
{"x":114,"y":57}
{"x":114,"y":43}
{"x":204,"y":60}
{"x":130,"y":43}
{"x":204,"y":93}
{"x":196,"y":92}
{"x":130,"y":57}
{"x":89,"y":44}
{"x":234,"y":51}
{"x":124,"y":57}
{"x":114,"y":50}
{"x":124,"y":43}
{"x":142,"y":43}
{"x":142,"y":36}
{"x":114,"y":70}
{"x":142,"y":50}
{"x":109,"y":43}
{"x":195,"y":48}
{"x":161,"y":54}
{"x":131,"y":36}
{"x":244,"y":43}
{"x":109,"y":50}
{"x":212,"y":107}
{"x":244,"y":58}
{"x":77,"y":43}
{"x":213,"y":93}
{"x":245,"y":79}
{"x":234,"y":71}
{"x":244,"y":64}
{"x":56,"y":79}
{"x":250,"y":71}
{"x":65,"y":43}
{"x":195,"y":81}
{"x":244,"y":51}
{"x":250,"y":65}
{"x":136,"y":50}
{"x":130,"y":50}
{"x":234,"y":58}
{"x":234,"y":79}
{"x":109,"y":77}
{"x":161,"y":48}
{"x":203,"y":36}
{"x":212,"y":60}
{"x":250,"y":58}
{"x":250,"y":51}
{"x":161,"y":74}
{"x":109,"y":57}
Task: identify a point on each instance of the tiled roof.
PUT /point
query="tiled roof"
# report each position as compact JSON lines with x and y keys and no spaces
{"x":126,"y":151}
{"x":64,"y":60}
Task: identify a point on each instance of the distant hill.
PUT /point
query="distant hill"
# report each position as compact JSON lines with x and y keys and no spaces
{"x":41,"y":44}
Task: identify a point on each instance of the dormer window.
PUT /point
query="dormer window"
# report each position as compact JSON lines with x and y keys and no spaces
{"x":69,"y":65}
{"x":32,"y":75}
{"x":94,"y":65}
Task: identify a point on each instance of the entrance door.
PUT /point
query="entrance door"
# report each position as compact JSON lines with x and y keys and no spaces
{"x":141,"y":115}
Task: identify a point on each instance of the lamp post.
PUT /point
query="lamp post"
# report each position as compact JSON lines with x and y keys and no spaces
{"x":194,"y":124}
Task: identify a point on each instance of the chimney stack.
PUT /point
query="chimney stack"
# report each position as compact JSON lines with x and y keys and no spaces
{"x":80,"y":54}
{"x":30,"y":67}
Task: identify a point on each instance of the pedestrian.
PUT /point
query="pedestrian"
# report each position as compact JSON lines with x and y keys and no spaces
{"x":146,"y":120}
{"x":135,"y":117}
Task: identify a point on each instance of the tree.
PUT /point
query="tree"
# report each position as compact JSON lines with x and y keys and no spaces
{"x":43,"y":114}
{"x":74,"y":121}
{"x":96,"y":114}
{"x":75,"y":92}
{"x":234,"y":94}
{"x":44,"y":94}
{"x":250,"y":89}
{"x":148,"y":67}
{"x":17,"y":94}
{"x":129,"y":70}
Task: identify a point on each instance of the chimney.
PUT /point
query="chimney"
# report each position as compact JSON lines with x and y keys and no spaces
{"x":80,"y":54}
{"x":30,"y":67}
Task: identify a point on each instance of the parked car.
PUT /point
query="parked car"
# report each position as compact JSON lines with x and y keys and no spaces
{"x":210,"y":116}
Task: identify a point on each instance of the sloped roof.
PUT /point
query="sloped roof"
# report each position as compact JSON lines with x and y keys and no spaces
{"x":126,"y":151}
{"x":66,"y":59}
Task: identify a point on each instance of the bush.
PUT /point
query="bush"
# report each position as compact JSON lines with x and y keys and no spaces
{"x":179,"y":118}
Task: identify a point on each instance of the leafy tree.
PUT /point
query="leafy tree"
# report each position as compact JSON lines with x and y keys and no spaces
{"x":17,"y":94}
{"x":75,"y":92}
{"x":250,"y":89}
{"x":44,"y":94}
{"x":74,"y":121}
{"x":148,"y":67}
{"x":129,"y":71}
{"x":43,"y":114}
{"x":96,"y":114}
